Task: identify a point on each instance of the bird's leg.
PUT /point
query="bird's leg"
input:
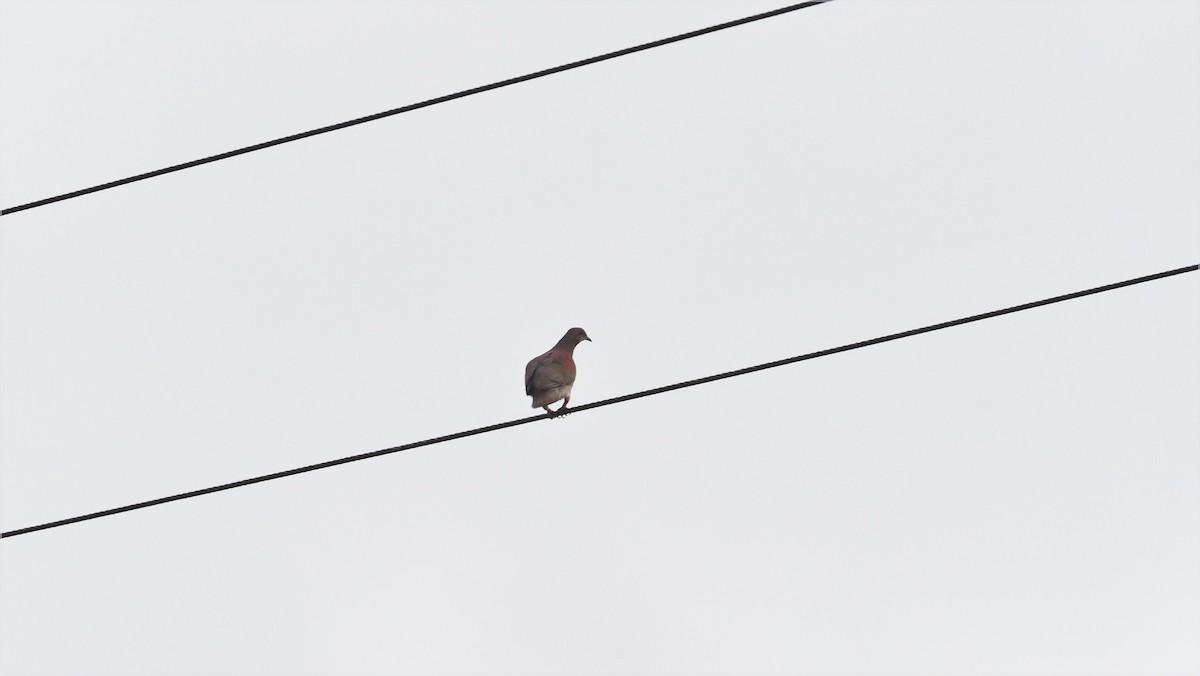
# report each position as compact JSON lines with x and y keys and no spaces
{"x":547,"y":408}
{"x":562,"y":410}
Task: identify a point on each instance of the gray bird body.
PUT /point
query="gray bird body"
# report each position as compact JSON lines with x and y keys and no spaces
{"x":549,"y":376}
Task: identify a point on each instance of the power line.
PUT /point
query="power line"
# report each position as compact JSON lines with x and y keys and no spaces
{"x":606,"y":402}
{"x":413,"y":106}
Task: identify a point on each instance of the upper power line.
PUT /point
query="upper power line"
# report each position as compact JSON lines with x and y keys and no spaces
{"x":412,"y":106}
{"x":606,"y":402}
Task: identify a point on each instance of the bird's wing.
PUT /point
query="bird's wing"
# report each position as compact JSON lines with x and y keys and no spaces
{"x":545,"y":372}
{"x":530,"y":369}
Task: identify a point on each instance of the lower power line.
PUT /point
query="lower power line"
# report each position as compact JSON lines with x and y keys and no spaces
{"x":605,"y":402}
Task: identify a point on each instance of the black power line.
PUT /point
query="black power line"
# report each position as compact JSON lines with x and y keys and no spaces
{"x":606,"y":402}
{"x":413,"y":106}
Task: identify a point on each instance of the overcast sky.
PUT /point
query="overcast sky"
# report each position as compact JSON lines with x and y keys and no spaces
{"x":1020,"y":495}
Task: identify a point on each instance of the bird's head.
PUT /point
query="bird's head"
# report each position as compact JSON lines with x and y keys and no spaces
{"x":575,"y":336}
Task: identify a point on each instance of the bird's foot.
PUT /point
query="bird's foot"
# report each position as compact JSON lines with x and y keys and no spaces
{"x":562,"y":411}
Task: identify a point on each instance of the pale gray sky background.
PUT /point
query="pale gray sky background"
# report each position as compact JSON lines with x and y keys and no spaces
{"x":1017,"y":496}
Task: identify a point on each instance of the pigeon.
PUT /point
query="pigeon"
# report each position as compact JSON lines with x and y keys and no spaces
{"x":548,"y":378}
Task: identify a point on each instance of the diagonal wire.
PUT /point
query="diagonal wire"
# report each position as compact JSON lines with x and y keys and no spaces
{"x":410,"y":107}
{"x":606,"y":402}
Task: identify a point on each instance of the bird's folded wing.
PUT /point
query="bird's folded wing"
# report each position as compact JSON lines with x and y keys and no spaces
{"x":530,"y":369}
{"x":544,"y":373}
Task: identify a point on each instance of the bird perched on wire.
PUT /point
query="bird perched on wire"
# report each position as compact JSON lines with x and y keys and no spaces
{"x":549,"y":377}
